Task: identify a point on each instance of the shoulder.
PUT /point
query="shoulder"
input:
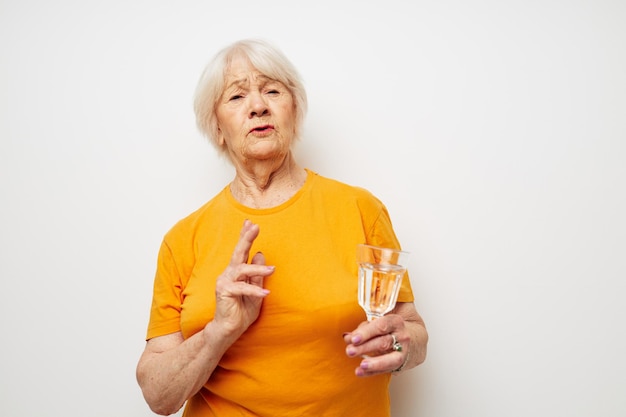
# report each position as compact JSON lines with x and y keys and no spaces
{"x":189,"y":225}
{"x":347,"y":193}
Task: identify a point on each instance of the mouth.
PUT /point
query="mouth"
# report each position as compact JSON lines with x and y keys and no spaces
{"x":262,"y":129}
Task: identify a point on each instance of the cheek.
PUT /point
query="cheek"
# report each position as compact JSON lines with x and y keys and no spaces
{"x":228,"y":132}
{"x":290,"y":119}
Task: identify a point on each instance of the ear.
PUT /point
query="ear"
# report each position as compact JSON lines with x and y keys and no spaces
{"x":220,"y":137}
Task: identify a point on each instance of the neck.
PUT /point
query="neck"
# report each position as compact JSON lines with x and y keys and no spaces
{"x":264,"y":185}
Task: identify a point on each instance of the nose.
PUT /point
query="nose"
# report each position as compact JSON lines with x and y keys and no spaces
{"x":258,"y":105}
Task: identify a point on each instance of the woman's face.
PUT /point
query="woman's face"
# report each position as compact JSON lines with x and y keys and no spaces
{"x":255,"y":115}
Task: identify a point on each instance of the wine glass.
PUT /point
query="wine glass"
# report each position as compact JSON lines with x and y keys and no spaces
{"x":380,"y":276}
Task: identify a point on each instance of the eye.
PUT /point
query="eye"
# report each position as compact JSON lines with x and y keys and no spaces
{"x":235,"y":97}
{"x":273,"y":91}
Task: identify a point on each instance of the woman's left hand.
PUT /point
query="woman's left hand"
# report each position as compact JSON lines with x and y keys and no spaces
{"x":393,"y":342}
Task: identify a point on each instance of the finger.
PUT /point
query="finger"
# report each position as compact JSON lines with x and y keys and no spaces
{"x":375,"y":338}
{"x":380,"y":364}
{"x":387,"y":324}
{"x":249,"y":232}
{"x":258,"y":259}
{"x":376,"y":346}
{"x":242,"y":289}
{"x":243,"y":275}
{"x":248,"y":272}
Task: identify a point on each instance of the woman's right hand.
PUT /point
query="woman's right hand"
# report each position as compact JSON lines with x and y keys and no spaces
{"x":239,"y":289}
{"x":171,"y":368}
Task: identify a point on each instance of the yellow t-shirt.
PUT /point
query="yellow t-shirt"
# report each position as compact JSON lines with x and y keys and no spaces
{"x":291,"y":361}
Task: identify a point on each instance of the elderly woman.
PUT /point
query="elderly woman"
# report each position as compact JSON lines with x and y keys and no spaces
{"x":254,"y":309}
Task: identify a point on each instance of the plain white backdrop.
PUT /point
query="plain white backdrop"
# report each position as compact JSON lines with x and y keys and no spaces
{"x":494,"y":131}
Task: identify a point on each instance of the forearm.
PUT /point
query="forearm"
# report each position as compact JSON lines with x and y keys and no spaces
{"x":169,"y":376}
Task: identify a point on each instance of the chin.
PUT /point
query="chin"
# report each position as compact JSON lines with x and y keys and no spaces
{"x":267,"y":150}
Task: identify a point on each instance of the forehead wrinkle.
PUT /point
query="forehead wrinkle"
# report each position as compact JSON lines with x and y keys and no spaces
{"x":246,"y":80}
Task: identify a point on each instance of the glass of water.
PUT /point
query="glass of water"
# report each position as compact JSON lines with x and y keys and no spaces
{"x":380,"y":276}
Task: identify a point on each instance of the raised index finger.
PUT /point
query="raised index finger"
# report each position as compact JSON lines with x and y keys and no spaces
{"x":249,"y":232}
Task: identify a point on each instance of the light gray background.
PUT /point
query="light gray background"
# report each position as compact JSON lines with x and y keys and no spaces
{"x":494,"y":131}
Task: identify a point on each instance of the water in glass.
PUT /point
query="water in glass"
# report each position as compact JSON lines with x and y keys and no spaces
{"x":378,"y":288}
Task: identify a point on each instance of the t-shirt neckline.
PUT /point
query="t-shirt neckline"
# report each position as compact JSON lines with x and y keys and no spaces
{"x":270,"y":210}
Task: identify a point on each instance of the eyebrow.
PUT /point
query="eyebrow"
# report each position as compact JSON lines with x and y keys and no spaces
{"x":246,"y":80}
